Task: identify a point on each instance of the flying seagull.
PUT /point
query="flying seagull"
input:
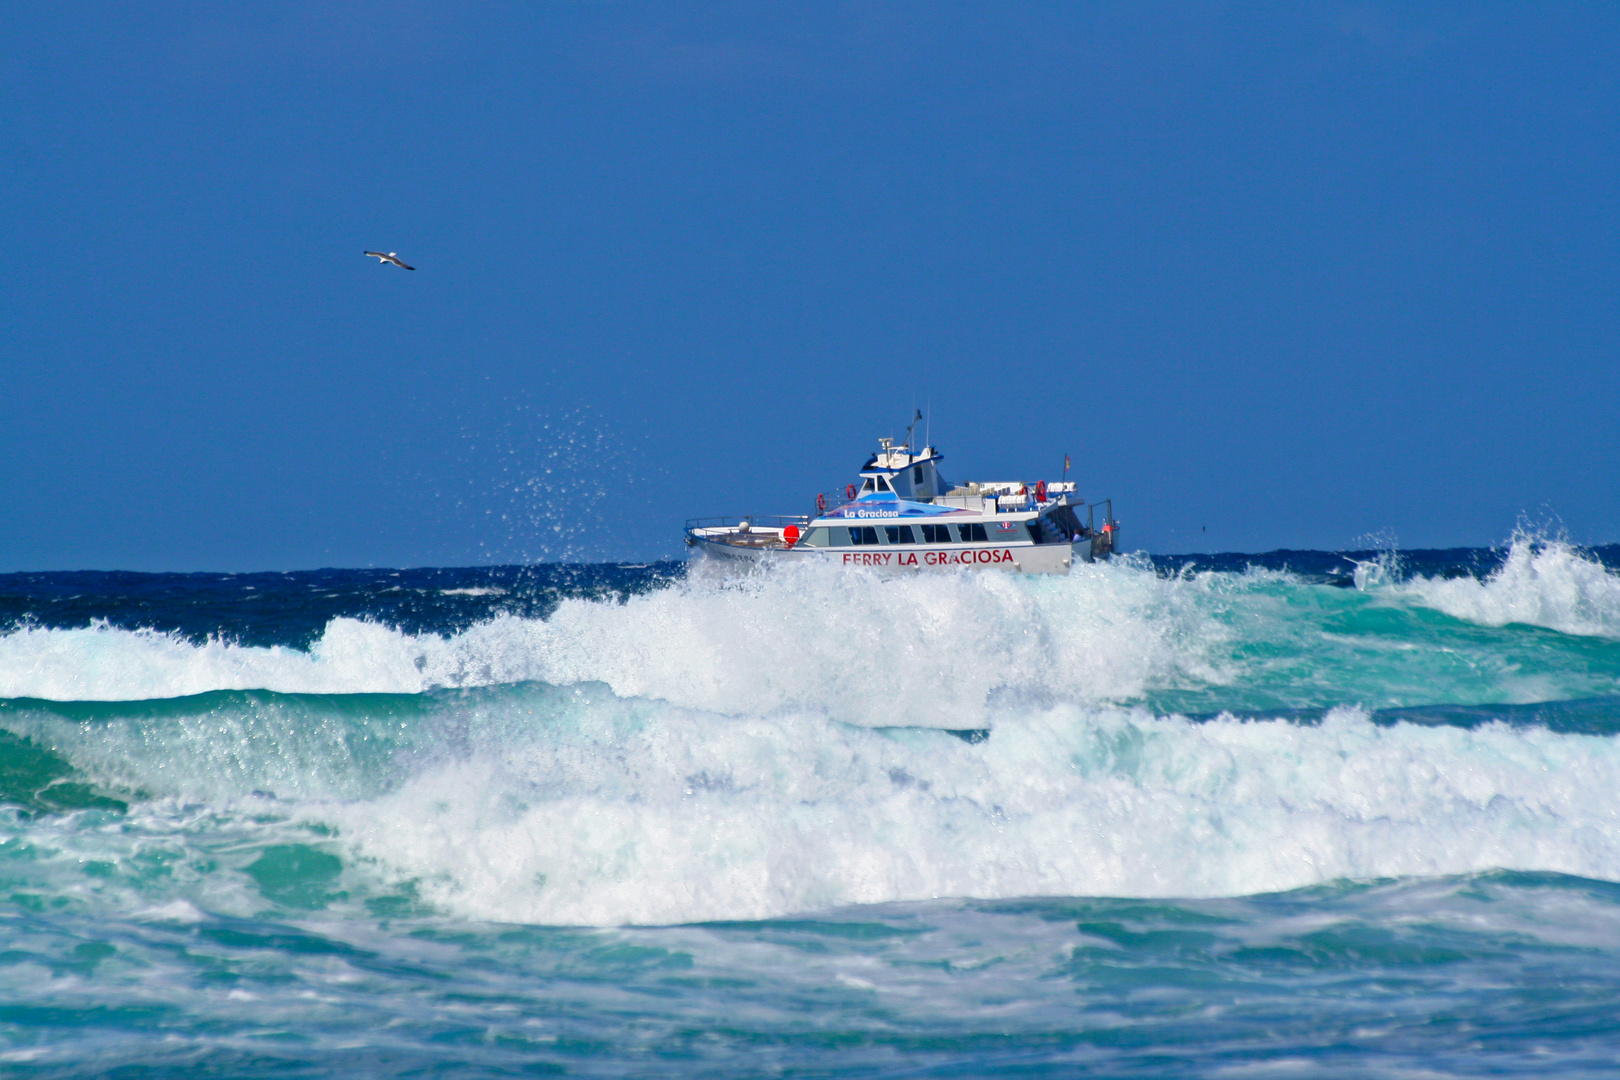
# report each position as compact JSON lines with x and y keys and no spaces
{"x":391,"y":257}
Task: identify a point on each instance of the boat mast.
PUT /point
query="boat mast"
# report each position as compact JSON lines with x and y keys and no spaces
{"x":909,"y":428}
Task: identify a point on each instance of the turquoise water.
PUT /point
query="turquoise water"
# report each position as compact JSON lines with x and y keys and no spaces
{"x":1289,"y":815}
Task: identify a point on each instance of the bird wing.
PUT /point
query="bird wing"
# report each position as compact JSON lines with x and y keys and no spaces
{"x":377,"y":255}
{"x":398,"y":263}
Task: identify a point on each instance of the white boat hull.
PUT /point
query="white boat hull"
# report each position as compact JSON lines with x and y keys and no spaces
{"x":905,"y":558}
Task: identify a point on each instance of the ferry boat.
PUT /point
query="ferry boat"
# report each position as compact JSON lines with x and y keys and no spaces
{"x":903,"y":516}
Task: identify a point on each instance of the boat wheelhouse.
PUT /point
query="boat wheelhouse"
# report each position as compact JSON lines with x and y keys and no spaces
{"x":902,"y":515}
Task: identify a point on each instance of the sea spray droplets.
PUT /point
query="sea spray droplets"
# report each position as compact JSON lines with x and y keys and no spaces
{"x":551,"y":483}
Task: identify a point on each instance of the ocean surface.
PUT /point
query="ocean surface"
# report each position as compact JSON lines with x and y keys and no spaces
{"x":1299,"y":814}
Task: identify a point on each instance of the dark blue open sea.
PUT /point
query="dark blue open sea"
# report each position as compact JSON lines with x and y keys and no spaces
{"x":1288,"y":815}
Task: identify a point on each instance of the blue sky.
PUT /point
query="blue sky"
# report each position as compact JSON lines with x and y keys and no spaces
{"x":1274,"y":275}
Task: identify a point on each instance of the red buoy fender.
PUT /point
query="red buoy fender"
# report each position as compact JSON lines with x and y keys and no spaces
{"x":791,"y":535}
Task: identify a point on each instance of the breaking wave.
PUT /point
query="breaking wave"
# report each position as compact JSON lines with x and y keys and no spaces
{"x":866,"y":649}
{"x":1547,"y":583}
{"x":936,"y":651}
{"x":689,"y":818}
{"x":729,"y":748}
{"x":576,"y":806}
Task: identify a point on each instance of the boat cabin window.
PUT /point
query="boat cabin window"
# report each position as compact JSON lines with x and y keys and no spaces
{"x":916,"y":475}
{"x":863,"y":534}
{"x":899,"y":534}
{"x":973,"y":534}
{"x":936,"y":534}
{"x":867,"y":487}
{"x":815,"y":537}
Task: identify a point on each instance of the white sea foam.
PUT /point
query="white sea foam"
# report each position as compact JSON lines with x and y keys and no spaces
{"x":937,"y":651}
{"x":576,"y":805}
{"x":897,"y":651}
{"x":626,"y":814}
{"x":102,"y":663}
{"x":175,"y":911}
{"x":1541,"y":583}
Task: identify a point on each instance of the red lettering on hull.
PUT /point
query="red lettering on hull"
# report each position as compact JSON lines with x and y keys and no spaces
{"x":976,"y":557}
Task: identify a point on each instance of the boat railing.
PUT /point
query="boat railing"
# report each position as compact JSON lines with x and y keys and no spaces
{"x":1103,"y":542}
{"x":763,"y":522}
{"x":973,"y":502}
{"x":759,"y":531}
{"x":832,"y":501}
{"x":828,"y":501}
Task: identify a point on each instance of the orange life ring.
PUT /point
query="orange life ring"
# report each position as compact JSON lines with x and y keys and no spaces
{"x":849,"y":492}
{"x":821,"y":503}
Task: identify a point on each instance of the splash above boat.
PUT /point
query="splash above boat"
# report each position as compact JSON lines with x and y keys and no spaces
{"x":903,"y":515}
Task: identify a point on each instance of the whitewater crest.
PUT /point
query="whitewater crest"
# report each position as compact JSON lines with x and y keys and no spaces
{"x":729,"y":747}
{"x":576,"y":806}
{"x":1541,"y":582}
{"x":802,"y":637}
{"x":938,"y":651}
{"x":106,"y":663}
{"x":622,"y":817}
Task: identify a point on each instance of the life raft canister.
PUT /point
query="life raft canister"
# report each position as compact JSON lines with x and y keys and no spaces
{"x":849,"y":492}
{"x":791,"y":535}
{"x":1040,"y":491}
{"x":821,"y":503}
